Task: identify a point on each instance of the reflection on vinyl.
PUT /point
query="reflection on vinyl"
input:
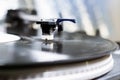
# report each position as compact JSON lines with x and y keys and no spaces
{"x":25,"y":52}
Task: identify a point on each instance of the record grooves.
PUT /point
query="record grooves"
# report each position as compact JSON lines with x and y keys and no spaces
{"x":24,"y":52}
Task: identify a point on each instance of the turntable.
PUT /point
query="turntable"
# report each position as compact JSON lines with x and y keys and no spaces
{"x":55,"y":55}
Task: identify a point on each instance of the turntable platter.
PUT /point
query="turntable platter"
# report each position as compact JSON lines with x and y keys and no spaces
{"x":42,"y":53}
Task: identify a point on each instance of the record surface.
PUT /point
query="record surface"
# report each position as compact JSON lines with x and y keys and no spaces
{"x":25,"y":52}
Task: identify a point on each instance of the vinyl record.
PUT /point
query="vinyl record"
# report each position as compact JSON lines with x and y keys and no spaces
{"x":59,"y":51}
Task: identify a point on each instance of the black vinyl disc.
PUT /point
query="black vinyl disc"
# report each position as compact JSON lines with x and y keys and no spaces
{"x":43,"y":53}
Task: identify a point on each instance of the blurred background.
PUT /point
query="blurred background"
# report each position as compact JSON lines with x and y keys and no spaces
{"x":94,"y":17}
